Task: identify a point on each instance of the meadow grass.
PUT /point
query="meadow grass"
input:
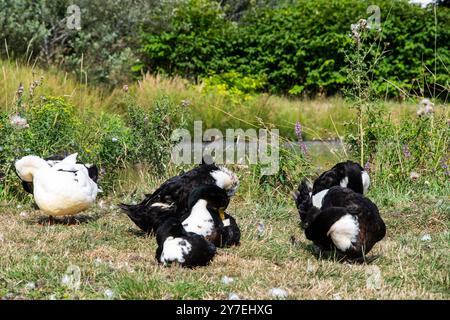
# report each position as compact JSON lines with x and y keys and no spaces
{"x":116,"y":260}
{"x":321,"y":118}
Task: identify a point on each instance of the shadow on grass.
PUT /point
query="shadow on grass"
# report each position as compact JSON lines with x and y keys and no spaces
{"x":137,"y":233}
{"x":332,"y":255}
{"x":66,"y":220}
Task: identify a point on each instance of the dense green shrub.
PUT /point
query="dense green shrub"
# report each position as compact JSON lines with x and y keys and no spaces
{"x":301,"y":47}
{"x":103,"y":50}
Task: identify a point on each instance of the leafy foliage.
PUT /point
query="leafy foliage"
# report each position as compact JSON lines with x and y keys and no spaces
{"x":50,"y":125}
{"x":103,"y":50}
{"x":300,"y":47}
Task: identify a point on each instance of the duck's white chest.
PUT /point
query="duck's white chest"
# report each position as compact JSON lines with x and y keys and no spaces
{"x":200,"y":220}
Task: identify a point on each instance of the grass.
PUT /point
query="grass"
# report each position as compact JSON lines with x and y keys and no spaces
{"x":321,"y":118}
{"x":113,"y":255}
{"x":117,"y":261}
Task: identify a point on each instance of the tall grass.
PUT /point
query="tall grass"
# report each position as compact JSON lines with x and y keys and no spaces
{"x":321,"y":118}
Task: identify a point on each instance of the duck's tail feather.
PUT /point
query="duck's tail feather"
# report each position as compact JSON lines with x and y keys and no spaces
{"x":136,"y":214}
{"x":148,"y":219}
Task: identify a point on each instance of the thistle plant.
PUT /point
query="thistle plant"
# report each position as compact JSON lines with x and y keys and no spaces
{"x":362,"y":60}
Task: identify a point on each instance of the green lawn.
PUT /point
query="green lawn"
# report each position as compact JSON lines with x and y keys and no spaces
{"x":116,"y":261}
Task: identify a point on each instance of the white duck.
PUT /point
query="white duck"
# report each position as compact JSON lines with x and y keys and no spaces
{"x":62,"y":189}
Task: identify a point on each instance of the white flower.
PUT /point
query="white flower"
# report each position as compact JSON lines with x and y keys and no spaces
{"x":426,"y":237}
{"x":426,"y":102}
{"x":114,"y":139}
{"x":425,"y":107}
{"x":18,"y":122}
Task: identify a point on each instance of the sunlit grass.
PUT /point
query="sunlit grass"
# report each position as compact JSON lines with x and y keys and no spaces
{"x":114,"y":255}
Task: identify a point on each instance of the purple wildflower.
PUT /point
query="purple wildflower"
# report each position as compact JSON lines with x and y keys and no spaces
{"x":367,"y":166}
{"x":298,"y":133}
{"x":406,"y":151}
{"x":304,"y":148}
{"x":444,"y":166}
{"x":298,"y":130}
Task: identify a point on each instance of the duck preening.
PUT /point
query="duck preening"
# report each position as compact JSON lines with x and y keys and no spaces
{"x":346,"y":174}
{"x":177,"y":245}
{"x":177,"y":189}
{"x":205,"y":215}
{"x":63,"y":188}
{"x":173,"y":195}
{"x":347,"y":221}
{"x":55,"y":159}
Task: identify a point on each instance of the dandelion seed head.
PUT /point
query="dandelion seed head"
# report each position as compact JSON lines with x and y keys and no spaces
{"x":278,"y":293}
{"x":227,"y":280}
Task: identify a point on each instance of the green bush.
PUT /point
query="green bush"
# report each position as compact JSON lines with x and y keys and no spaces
{"x":102,"y":51}
{"x":301,"y":47}
{"x":51,"y":128}
{"x":112,"y":148}
{"x":49,"y":125}
{"x":151,"y":130}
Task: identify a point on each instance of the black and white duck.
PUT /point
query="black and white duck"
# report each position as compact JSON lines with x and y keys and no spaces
{"x":347,"y":221}
{"x":176,"y":245}
{"x":174,"y":193}
{"x":207,"y":216}
{"x":346,"y":174}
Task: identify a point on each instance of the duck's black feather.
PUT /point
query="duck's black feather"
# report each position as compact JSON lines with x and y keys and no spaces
{"x":148,"y":218}
{"x":337,"y":203}
{"x":335,"y":175}
{"x":177,"y":189}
